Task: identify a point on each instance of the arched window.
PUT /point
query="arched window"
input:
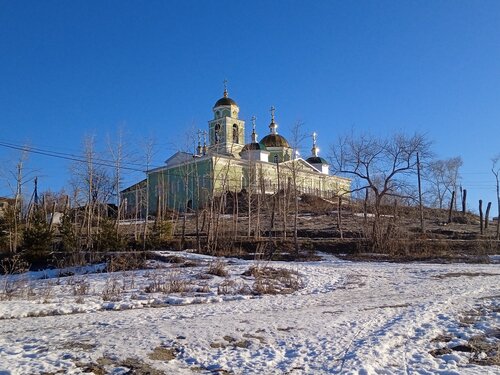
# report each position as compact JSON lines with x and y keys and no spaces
{"x":217,"y":133}
{"x":276,"y":158}
{"x":236,"y":136}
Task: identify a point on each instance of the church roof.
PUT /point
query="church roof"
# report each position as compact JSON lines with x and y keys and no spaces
{"x":316,"y":160}
{"x":274,"y":140}
{"x":253,"y":146}
{"x":225,"y":101}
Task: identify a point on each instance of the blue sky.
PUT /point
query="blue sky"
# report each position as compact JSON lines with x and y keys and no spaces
{"x":70,"y":69}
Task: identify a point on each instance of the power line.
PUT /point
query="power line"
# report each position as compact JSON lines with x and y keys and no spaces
{"x":76,"y":158}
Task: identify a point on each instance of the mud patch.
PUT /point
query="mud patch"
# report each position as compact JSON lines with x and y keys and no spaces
{"x":161,"y":353}
{"x":481,"y":348}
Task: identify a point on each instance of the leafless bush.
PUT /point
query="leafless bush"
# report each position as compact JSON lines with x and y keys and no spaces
{"x":80,"y":287}
{"x":269,"y":280}
{"x":173,"y":259}
{"x":202,"y":289}
{"x":128,"y":280}
{"x":171,"y":283}
{"x":225,"y":247}
{"x":13,"y":265}
{"x":14,"y":283}
{"x":226,"y":287}
{"x":47,"y":290}
{"x":217,"y":268}
{"x":112,"y":290}
{"x":231,"y":287}
{"x":126,"y":262}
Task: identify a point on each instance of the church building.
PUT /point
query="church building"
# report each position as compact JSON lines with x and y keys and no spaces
{"x":228,"y":163}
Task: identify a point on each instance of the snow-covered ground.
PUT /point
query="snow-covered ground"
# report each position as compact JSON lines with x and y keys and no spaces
{"x":347,"y":318}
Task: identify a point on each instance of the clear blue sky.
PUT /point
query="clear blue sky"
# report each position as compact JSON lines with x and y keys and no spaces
{"x":156,"y":68}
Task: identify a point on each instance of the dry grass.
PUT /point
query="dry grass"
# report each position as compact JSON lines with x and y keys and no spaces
{"x":80,"y":287}
{"x":485,"y":351}
{"x":161,"y":353}
{"x":173,"y":282}
{"x":126,"y":262}
{"x":217,"y":268}
{"x":482,"y":348}
{"x":112,"y":290}
{"x":270,"y":280}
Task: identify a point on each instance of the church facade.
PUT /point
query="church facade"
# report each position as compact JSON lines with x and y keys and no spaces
{"x":228,"y":163}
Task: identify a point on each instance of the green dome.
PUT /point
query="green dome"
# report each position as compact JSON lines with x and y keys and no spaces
{"x":225,"y":101}
{"x":253,"y":146}
{"x":274,"y":140}
{"x":316,"y":160}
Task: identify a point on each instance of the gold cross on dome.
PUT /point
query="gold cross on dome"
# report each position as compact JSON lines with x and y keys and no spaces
{"x":225,"y":87}
{"x":272,"y":112}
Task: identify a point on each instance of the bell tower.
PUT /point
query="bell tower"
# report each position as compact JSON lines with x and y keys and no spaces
{"x":226,"y":130}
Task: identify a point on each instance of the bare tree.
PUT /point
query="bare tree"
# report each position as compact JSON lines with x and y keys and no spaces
{"x":117,"y":151}
{"x":91,"y":182}
{"x":383,"y":166}
{"x":294,"y":168}
{"x":149,"y":146}
{"x":16,"y":178}
{"x":443,"y":177}
{"x":495,"y":169}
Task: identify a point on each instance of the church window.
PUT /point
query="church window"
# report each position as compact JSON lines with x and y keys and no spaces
{"x":217,"y":133}
{"x":235,"y":134}
{"x":276,"y":158}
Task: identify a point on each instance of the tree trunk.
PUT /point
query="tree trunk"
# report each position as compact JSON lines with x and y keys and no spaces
{"x":183,"y":232}
{"x":422,"y":229}
{"x":249,"y":233}
{"x":51,"y":224}
{"x":295,"y":214}
{"x":487,"y":216}
{"x":451,"y":206}
{"x":339,"y":217}
{"x":481,"y":216}
{"x":464,"y":202}
{"x":498,"y":212}
{"x":365,"y":206}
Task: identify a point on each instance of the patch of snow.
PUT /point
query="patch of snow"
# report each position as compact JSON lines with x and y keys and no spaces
{"x":349,"y":317}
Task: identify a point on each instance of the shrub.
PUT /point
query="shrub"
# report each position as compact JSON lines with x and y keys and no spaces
{"x":37,"y":238}
{"x":217,"y":268}
{"x":112,"y":290}
{"x":69,"y":238}
{"x":109,"y":238}
{"x":126,"y":262}
{"x":171,"y":283}
{"x":80,"y":287}
{"x":159,"y":236}
{"x":269,"y":280}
